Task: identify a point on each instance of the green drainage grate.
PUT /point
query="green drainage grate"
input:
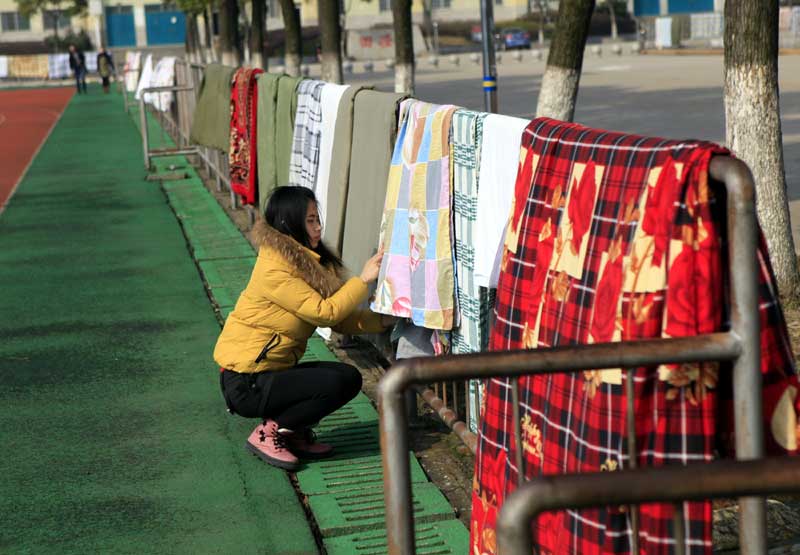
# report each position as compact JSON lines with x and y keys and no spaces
{"x":209,"y":223}
{"x":225,"y":311}
{"x":449,"y":537}
{"x":187,"y":201}
{"x":355,"y":440}
{"x":348,"y":416}
{"x":214,"y":248}
{"x":358,"y":510}
{"x":354,"y":473}
{"x":191,"y":182}
{"x":227,"y":278}
{"x":317,"y":350}
{"x":231,"y":272}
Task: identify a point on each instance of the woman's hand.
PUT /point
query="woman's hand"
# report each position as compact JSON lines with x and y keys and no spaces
{"x":373,"y":267}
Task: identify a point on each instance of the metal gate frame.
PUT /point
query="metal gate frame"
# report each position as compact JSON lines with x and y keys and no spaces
{"x":674,"y":484}
{"x":740,"y":345}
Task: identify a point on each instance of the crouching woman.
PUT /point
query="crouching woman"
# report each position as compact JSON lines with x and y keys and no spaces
{"x":295,"y":287}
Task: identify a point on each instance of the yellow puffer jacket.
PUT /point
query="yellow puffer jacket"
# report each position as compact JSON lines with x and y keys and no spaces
{"x":289,"y":295}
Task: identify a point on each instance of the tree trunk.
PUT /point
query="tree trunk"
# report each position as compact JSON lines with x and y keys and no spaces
{"x":258,"y":53}
{"x":753,"y":125}
{"x":330,"y":32}
{"x":427,"y":24}
{"x":403,"y":47}
{"x":563,"y":73}
{"x":292,"y":42}
{"x":208,"y":28}
{"x":192,"y":42}
{"x":613,"y":16}
{"x":228,"y":33}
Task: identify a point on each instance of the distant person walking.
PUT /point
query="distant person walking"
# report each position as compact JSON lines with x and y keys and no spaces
{"x":77,"y":63}
{"x":105,"y":67}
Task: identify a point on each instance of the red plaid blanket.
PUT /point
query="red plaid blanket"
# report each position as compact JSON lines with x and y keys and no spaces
{"x":617,"y":237}
{"x":242,"y":153}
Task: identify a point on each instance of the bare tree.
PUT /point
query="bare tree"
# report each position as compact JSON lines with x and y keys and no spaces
{"x":427,"y":23}
{"x":210,"y":53}
{"x":192,"y":39}
{"x":403,"y":47}
{"x":753,"y":125}
{"x":612,"y":14}
{"x":543,"y":18}
{"x":229,"y":42}
{"x":292,"y":42}
{"x":330,"y":30}
{"x":258,"y":53}
{"x":564,"y":63}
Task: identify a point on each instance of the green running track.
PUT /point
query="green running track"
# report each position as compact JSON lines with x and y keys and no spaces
{"x":114,"y":438}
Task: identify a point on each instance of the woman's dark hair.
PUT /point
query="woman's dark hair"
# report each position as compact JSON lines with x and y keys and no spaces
{"x":286,"y":212}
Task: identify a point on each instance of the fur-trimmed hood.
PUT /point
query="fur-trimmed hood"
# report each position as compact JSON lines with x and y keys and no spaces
{"x":326,"y":281}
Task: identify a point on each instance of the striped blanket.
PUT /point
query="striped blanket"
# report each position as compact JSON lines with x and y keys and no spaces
{"x":304,"y":163}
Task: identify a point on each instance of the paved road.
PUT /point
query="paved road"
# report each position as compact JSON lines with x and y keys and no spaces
{"x":669,"y":96}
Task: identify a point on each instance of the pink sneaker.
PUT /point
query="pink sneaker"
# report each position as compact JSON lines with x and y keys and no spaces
{"x":271,"y":447}
{"x":304,"y":444}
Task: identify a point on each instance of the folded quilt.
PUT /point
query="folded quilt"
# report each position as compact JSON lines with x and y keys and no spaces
{"x":416,"y":279}
{"x":212,"y":113}
{"x":266,"y":117}
{"x":615,"y":238}
{"x":332,"y":95}
{"x":500,"y":159}
{"x":339,"y":171}
{"x":242,"y":154}
{"x":307,"y":135}
{"x":374,"y":128}
{"x":286,"y":108}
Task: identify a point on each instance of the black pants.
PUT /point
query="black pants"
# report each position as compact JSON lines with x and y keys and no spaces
{"x":295,"y":398}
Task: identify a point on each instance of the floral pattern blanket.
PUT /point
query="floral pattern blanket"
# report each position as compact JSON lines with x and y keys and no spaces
{"x":616,"y":237}
{"x":242,"y":154}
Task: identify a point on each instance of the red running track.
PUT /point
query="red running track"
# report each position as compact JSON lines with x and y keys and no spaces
{"x":26,"y":118}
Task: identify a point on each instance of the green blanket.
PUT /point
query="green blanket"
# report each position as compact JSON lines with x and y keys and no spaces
{"x":265,"y":134}
{"x":212,"y":113}
{"x":374,"y":131}
{"x":284,"y":126}
{"x":340,"y":169}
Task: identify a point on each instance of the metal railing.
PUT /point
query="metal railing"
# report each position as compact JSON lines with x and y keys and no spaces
{"x":674,"y":484}
{"x":177,"y":123}
{"x":740,"y":346}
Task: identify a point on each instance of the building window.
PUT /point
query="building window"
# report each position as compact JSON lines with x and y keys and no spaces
{"x":157,"y":8}
{"x":14,"y":21}
{"x":51,"y":17}
{"x":438,"y":4}
{"x":120,"y":10}
{"x":385,"y":5}
{"x":498,"y":2}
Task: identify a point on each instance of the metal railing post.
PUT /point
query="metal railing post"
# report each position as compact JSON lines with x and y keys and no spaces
{"x":145,"y":134}
{"x":742,"y":248}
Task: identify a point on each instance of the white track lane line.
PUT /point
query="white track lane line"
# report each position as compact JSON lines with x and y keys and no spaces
{"x":4,"y":203}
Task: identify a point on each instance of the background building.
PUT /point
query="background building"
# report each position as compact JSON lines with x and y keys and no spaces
{"x":120,"y":23}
